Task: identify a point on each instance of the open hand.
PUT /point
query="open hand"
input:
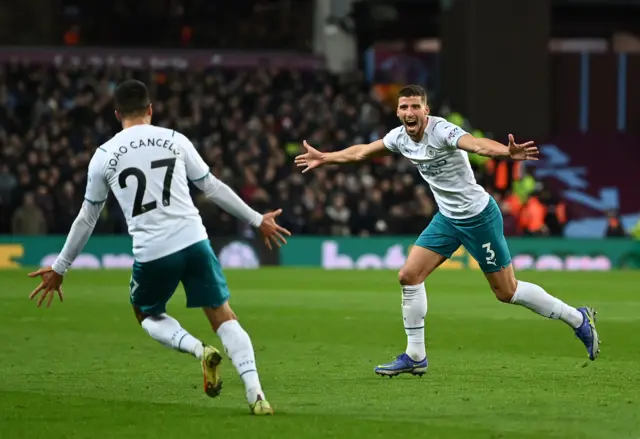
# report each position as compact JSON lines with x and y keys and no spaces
{"x":271,"y":231}
{"x":312,"y":159}
{"x":51,"y":283}
{"x":522,"y":151}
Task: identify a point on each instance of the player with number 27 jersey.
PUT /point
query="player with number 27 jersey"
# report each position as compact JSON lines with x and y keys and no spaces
{"x":147,"y":168}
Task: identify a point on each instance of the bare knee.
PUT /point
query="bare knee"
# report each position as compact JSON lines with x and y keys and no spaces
{"x":504,"y":296}
{"x":217,"y":316}
{"x":410,"y":277}
{"x":505,"y":290}
{"x":419,"y":265}
{"x":503,"y":283}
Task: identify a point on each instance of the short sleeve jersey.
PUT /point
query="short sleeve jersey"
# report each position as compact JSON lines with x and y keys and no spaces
{"x":444,"y":167}
{"x":148,"y":168}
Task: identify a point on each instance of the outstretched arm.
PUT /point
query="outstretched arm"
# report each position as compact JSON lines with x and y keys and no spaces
{"x":81,"y":229}
{"x":221,"y":194}
{"x":491,"y":148}
{"x":215,"y":190}
{"x":79,"y":235}
{"x":94,"y":198}
{"x":356,"y":153}
{"x":225,"y":197}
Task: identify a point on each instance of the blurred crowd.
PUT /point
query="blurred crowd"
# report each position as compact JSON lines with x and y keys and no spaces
{"x":248,"y":126}
{"x":256,"y":24}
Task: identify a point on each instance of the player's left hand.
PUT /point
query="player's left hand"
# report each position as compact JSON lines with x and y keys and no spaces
{"x":51,"y":283}
{"x":272,"y":231}
{"x":522,"y":151}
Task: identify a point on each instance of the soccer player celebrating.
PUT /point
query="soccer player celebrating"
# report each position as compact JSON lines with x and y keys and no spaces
{"x":148,"y":169}
{"x":467,"y":216}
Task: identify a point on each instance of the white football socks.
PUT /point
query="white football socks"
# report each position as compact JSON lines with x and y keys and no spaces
{"x":168,"y":332}
{"x":414,"y":309}
{"x":238,"y":346}
{"x":539,"y":301}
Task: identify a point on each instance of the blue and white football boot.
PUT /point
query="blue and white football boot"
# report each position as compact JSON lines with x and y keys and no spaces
{"x":587,"y":333}
{"x":402,"y":364}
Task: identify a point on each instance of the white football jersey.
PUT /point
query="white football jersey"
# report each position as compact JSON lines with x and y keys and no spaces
{"x":147,"y":168}
{"x":445,"y":167}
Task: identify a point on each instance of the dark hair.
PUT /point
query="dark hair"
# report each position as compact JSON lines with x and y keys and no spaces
{"x":413,"y":90}
{"x":131,"y":98}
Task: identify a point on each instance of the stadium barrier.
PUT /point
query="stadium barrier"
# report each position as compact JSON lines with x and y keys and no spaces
{"x":335,"y":253}
{"x":115,"y":252}
{"x":527,"y":253}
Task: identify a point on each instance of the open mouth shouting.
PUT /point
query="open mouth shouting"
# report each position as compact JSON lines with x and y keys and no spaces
{"x":411,"y":124}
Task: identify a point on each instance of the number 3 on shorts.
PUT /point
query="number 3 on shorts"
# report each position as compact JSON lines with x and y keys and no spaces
{"x":491,"y":255}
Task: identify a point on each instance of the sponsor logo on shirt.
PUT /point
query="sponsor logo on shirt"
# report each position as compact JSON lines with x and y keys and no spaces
{"x":454,"y":133}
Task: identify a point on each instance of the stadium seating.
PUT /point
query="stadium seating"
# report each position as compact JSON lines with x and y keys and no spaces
{"x":247,"y":125}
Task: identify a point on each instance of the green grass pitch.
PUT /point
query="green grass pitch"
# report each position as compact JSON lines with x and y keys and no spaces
{"x":85,"y":369}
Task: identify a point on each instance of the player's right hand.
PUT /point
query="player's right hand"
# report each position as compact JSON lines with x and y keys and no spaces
{"x":312,"y":159}
{"x":271,"y":231}
{"x":51,"y":283}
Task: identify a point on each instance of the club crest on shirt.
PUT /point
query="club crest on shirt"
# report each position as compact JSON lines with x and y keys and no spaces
{"x":431,"y":152}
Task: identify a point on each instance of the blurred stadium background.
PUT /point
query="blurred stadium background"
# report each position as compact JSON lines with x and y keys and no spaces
{"x":247,"y":81}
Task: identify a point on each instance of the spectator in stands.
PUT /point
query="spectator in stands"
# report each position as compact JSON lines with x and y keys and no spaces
{"x":532,"y":217}
{"x":339,"y":214}
{"x":8,"y":183}
{"x":524,"y":186}
{"x":614,"y":225}
{"x":555,"y":213}
{"x":8,"y":186}
{"x":28,"y":219}
{"x":510,"y":205}
{"x":67,"y":205}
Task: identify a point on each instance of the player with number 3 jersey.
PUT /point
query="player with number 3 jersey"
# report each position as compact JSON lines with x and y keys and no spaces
{"x":467,"y":216}
{"x":148,"y":169}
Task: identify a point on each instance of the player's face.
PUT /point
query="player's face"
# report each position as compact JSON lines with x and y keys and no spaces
{"x":413,"y":112}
